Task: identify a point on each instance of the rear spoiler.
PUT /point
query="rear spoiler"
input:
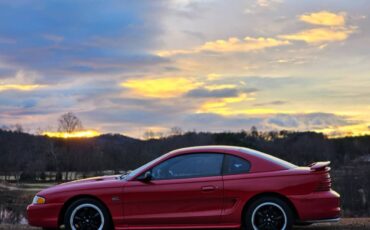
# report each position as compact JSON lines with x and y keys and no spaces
{"x":321,"y":165}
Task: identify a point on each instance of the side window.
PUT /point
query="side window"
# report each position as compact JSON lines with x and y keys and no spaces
{"x":188,"y":166}
{"x":235,"y":165}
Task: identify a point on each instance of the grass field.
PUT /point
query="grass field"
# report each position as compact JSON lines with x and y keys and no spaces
{"x":344,"y":224}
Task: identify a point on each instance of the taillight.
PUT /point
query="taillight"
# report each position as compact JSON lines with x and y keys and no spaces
{"x":324,"y":183}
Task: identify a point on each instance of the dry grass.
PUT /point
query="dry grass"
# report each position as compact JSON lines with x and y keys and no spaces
{"x":344,"y":224}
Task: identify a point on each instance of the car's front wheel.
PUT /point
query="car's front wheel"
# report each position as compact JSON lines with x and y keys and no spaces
{"x":87,"y":214}
{"x":268,"y":213}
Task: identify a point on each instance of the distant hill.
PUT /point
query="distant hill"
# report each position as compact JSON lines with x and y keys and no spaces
{"x":26,"y":152}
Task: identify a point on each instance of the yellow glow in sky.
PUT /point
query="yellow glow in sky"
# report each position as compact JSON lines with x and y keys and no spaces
{"x":233,"y":44}
{"x":346,"y":131}
{"x":4,"y":87}
{"x":225,"y":106}
{"x":318,"y":35}
{"x":161,"y":87}
{"x":77,"y":134}
{"x":324,"y":18}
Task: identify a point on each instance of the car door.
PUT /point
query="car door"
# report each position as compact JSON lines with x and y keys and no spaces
{"x":236,"y":187}
{"x":184,"y":190}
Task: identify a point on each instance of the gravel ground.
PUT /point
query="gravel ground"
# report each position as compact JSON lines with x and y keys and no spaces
{"x":347,"y":223}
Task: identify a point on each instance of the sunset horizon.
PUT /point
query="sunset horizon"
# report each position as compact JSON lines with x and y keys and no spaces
{"x":209,"y":66}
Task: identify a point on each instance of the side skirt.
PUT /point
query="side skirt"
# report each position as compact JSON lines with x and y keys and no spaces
{"x":220,"y":226}
{"x":320,"y":221}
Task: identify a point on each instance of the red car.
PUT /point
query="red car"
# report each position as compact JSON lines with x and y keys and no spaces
{"x":191,"y":188}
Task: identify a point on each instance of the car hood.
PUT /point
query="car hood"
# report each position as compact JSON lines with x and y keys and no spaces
{"x":102,"y":182}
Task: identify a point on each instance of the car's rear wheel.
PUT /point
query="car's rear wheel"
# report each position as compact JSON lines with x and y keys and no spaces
{"x":268,"y":213}
{"x":87,"y":214}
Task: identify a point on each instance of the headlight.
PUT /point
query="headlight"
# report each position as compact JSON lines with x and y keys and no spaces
{"x":38,"y":200}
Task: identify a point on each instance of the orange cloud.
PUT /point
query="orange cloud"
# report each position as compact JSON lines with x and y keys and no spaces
{"x":232,"y":44}
{"x":324,"y":18}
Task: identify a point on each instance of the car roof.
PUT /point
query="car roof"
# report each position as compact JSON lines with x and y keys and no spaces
{"x":208,"y":148}
{"x":220,"y":149}
{"x":228,"y":149}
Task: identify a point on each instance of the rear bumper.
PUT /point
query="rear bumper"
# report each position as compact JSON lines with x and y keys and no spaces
{"x":317,"y":206}
{"x":43,"y":215}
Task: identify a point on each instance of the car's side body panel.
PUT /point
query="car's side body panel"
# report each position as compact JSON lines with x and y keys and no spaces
{"x":181,"y":201}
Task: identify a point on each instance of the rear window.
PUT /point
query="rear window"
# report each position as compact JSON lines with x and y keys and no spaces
{"x":268,"y":157}
{"x":235,"y":165}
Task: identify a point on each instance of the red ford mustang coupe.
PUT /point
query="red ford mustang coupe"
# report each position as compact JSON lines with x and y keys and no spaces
{"x":192,"y":188}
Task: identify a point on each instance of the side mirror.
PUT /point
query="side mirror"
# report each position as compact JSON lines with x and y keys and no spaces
{"x":146,"y":177}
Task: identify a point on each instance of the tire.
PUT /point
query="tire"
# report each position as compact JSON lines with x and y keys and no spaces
{"x":88,"y":213}
{"x":266,"y":212}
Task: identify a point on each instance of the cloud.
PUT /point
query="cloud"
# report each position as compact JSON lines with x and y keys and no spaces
{"x":205,"y":93}
{"x":294,"y":122}
{"x":215,"y":122}
{"x":319,"y":35}
{"x":224,"y":106}
{"x":277,"y":102}
{"x":99,"y":60}
{"x":22,"y":87}
{"x":309,"y":121}
{"x":58,"y":36}
{"x":219,"y":91}
{"x":332,"y":28}
{"x":267,"y":3}
{"x":165,"y":87}
{"x":21,"y":81}
{"x":233,"y":44}
{"x":324,"y":18}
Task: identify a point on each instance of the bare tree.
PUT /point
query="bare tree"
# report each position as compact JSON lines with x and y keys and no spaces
{"x":69,"y":123}
{"x":149,"y":134}
{"x":176,"y":131}
{"x":18,"y":128}
{"x":254,"y":131}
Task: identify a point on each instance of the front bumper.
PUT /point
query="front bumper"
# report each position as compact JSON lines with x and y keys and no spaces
{"x":317,"y":206}
{"x":43,"y":215}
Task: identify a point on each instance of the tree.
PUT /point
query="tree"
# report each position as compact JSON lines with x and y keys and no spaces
{"x":18,"y":128}
{"x":149,"y":134}
{"x":254,"y":131}
{"x":69,"y":123}
{"x":176,"y":131}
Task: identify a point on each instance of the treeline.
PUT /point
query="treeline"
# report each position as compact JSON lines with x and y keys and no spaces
{"x":27,"y":154}
{"x":26,"y":157}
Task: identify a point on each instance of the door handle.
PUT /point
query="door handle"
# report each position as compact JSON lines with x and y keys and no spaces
{"x":208,"y":188}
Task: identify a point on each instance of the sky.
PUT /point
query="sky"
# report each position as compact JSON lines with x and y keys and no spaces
{"x":207,"y":65}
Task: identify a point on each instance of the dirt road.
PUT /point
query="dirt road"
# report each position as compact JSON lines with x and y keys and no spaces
{"x":344,"y":224}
